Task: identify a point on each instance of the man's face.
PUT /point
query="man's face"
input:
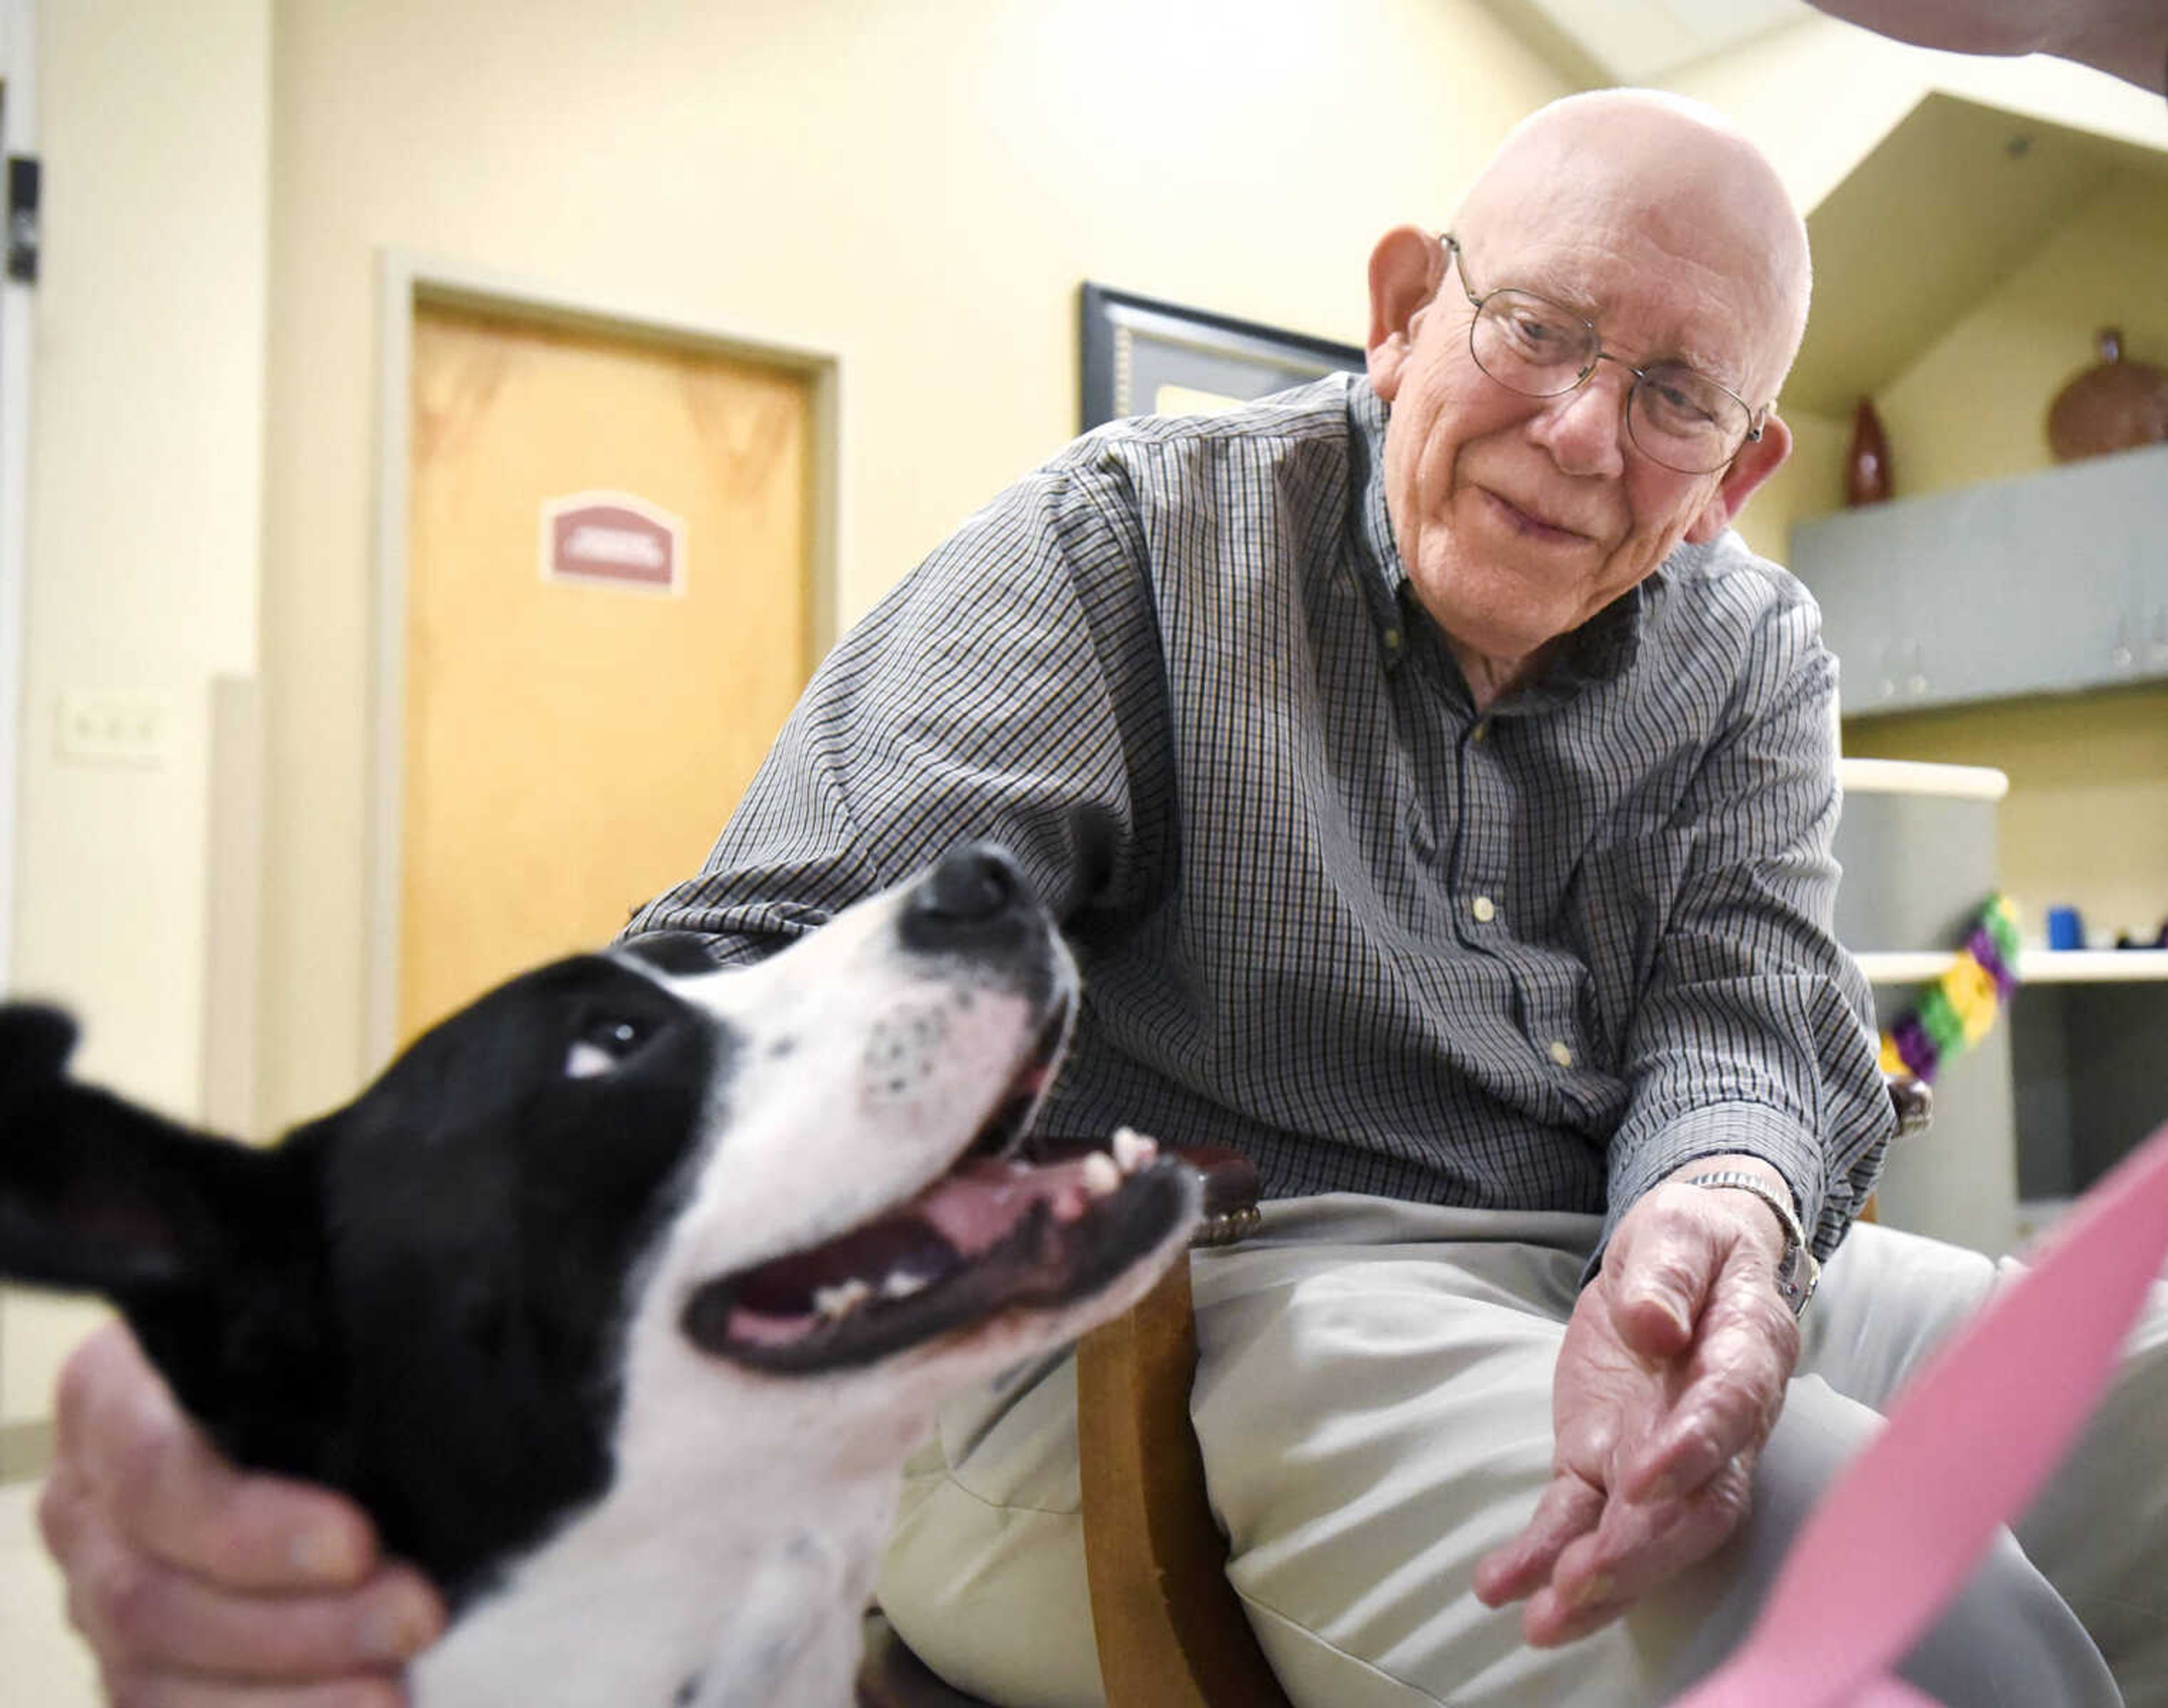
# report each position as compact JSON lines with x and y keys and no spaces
{"x":1520,"y":517}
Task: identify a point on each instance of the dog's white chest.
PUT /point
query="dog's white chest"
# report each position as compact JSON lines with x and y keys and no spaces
{"x":670,"y":1599}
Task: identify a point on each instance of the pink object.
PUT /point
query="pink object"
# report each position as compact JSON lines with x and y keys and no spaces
{"x":1968,"y":1443}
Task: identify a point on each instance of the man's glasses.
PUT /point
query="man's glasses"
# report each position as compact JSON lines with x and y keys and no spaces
{"x":1675,"y":416}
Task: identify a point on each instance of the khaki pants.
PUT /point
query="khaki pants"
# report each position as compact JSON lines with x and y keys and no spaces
{"x":1373,"y":1404}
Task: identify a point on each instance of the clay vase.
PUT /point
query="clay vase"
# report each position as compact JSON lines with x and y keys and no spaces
{"x":2113,"y":405}
{"x":1867,"y":465}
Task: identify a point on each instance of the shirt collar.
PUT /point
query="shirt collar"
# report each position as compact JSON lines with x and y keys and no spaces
{"x":1384,"y":580}
{"x":1379,"y":553}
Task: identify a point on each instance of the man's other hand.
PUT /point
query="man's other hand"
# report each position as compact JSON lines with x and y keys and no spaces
{"x":200,"y":1587}
{"x":1669,"y":1381}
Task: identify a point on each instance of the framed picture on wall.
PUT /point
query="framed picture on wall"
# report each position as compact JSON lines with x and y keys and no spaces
{"x":1143,"y":357}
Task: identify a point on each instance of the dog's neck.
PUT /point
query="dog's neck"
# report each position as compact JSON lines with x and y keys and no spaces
{"x":708,"y":1576}
{"x":725,"y":1565}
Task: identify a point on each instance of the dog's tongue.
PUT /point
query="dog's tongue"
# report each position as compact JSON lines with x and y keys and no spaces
{"x":953,"y":1221}
{"x":975,"y":1204}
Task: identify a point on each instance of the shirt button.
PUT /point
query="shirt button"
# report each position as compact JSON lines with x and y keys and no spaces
{"x":1479,"y":731}
{"x":1560,"y":1053}
{"x":1484,"y":908}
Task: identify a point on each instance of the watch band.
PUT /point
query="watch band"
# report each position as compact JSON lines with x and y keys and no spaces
{"x":1798,"y":1273}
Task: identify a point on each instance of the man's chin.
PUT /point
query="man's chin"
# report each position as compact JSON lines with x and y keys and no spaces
{"x":1500,"y":617}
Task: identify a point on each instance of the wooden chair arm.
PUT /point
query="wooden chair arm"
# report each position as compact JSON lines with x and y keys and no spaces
{"x":1171,"y":1630}
{"x":1914,"y":1100}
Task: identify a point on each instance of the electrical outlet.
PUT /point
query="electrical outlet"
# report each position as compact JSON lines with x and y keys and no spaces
{"x":115,"y":729}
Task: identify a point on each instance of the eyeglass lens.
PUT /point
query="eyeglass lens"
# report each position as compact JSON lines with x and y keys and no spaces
{"x":1683,"y":419}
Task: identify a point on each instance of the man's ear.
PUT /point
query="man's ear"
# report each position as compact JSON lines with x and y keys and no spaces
{"x":1406,"y":269}
{"x":1756,"y":461}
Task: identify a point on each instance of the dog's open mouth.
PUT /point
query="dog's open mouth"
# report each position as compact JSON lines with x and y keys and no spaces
{"x":988,"y":1236}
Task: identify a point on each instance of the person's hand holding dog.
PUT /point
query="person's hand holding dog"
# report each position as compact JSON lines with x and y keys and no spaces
{"x":1670,"y":1379}
{"x":197,"y":1586}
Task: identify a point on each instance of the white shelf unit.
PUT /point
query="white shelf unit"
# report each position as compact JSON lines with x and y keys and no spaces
{"x":1965,"y":595}
{"x":2034,"y":966}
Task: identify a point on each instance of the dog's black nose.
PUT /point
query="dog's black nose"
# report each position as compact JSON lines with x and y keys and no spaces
{"x":969,"y":894}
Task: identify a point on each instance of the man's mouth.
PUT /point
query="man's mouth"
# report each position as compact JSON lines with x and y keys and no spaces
{"x":1531,"y":525}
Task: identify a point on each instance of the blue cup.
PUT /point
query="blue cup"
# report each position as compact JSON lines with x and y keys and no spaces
{"x":2065,"y":929}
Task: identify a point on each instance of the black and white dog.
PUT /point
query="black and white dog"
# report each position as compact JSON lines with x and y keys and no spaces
{"x":620,"y":1298}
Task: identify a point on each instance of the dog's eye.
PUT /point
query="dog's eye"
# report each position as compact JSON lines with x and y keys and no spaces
{"x":601,"y":1046}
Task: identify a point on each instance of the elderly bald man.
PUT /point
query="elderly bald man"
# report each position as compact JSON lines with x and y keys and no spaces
{"x":1439,"y":797}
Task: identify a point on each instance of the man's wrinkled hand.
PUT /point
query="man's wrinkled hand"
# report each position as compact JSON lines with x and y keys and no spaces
{"x":196,"y":1585}
{"x":1670,"y":1379}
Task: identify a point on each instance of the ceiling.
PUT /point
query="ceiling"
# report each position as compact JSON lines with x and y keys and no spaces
{"x":1637,"y":41}
{"x":1950,"y":203}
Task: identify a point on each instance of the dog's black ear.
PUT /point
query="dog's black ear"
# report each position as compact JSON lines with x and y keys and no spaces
{"x":97,"y":1195}
{"x":35,"y":1043}
{"x":211,"y":1249}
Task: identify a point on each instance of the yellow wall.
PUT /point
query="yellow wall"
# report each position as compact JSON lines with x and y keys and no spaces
{"x":1809,"y":483}
{"x":146,"y":488}
{"x":2085,"y":822}
{"x":144,"y":510}
{"x":1974,"y":405}
{"x":1818,"y":96}
{"x":2086,"y":819}
{"x":918,"y":185}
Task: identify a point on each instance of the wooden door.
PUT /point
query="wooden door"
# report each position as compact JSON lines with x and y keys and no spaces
{"x":573,"y":744}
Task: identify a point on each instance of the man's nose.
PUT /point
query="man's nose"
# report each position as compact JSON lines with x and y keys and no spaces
{"x":1584,"y":429}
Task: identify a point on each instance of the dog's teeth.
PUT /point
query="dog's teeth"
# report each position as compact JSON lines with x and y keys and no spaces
{"x":903,"y":1283}
{"x":1133,"y":1150}
{"x":1102,"y":1175}
{"x":839,"y":1301}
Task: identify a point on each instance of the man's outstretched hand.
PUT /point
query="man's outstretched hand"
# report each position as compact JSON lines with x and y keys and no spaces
{"x":1670,"y":1379}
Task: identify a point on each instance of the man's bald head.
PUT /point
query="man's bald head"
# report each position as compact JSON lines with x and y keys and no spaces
{"x":1521,"y":512}
{"x":1619,"y":160}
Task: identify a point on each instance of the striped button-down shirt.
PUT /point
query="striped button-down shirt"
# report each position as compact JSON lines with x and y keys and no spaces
{"x":1535,"y":957}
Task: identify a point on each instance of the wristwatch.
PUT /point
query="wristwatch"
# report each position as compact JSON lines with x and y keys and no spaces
{"x":1798,"y":1273}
